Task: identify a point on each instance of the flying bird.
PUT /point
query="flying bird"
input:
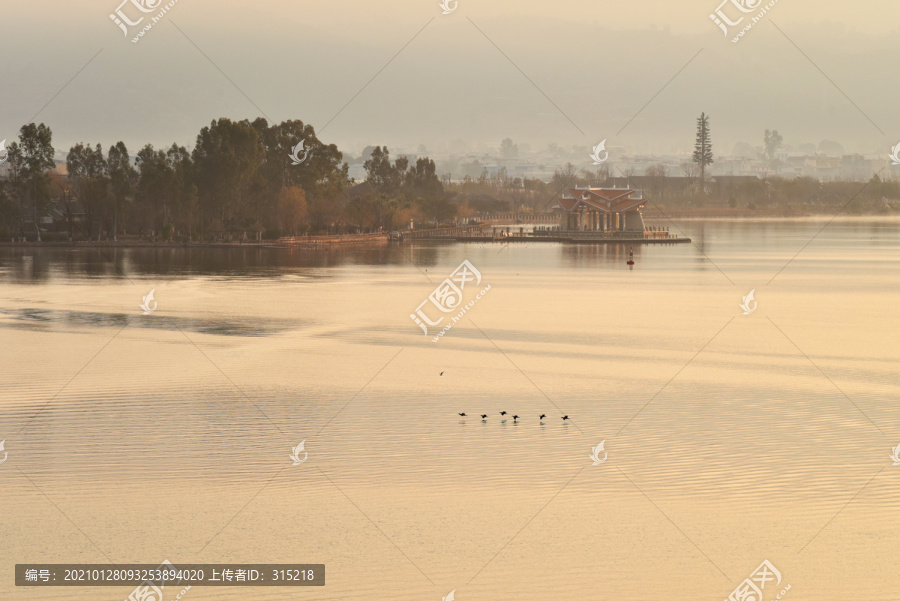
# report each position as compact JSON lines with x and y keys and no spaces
{"x":483,"y":417}
{"x":565,"y":417}
{"x":503,"y":413}
{"x":515,"y":417}
{"x":543,"y":415}
{"x":463,"y":414}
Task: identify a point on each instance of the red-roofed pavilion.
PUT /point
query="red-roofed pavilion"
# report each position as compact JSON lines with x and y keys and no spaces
{"x":601,"y":210}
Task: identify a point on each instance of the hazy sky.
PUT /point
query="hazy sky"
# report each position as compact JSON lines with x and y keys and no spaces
{"x":581,"y":71}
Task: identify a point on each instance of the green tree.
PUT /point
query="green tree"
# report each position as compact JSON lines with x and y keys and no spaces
{"x":321,"y":176}
{"x":292,"y":209}
{"x":30,"y":161}
{"x":703,"y":154}
{"x":88,"y":174}
{"x":227,"y":159}
{"x":10,"y":219}
{"x":122,"y":179}
{"x":422,"y":181}
{"x":381,"y":174}
{"x":154,"y":190}
{"x":183,"y":189}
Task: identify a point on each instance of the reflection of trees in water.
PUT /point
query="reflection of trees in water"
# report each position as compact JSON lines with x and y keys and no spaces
{"x":699,"y":237}
{"x":24,"y":265}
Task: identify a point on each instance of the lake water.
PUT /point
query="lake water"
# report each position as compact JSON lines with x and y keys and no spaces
{"x":731,"y":438}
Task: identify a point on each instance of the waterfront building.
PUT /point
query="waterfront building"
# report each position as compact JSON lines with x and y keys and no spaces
{"x":589,"y":209}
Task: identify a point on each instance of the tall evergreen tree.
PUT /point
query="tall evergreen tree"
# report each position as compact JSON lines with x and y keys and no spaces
{"x":703,"y":155}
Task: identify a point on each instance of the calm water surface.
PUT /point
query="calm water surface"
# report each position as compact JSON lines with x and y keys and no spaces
{"x":731,"y":438}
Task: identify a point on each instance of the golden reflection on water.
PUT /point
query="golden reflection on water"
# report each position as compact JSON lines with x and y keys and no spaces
{"x":731,"y":438}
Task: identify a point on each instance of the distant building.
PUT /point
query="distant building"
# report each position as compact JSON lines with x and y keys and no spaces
{"x":600,"y":210}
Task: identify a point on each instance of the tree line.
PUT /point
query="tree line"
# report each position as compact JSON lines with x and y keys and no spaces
{"x":241,"y":178}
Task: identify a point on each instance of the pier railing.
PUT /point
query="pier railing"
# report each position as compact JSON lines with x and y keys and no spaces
{"x":521,"y":218}
{"x":646,"y":234}
{"x":340,"y":239}
{"x":444,"y":232}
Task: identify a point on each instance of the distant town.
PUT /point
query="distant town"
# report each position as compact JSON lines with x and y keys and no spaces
{"x":824,"y":162}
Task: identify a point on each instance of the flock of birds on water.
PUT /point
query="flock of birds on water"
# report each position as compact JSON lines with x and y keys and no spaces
{"x":514,"y":417}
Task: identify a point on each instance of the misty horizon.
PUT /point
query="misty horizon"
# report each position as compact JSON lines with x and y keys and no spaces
{"x":451,"y":86}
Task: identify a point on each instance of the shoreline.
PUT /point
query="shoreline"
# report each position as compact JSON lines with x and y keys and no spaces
{"x":569,"y":240}
{"x":341,"y":240}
